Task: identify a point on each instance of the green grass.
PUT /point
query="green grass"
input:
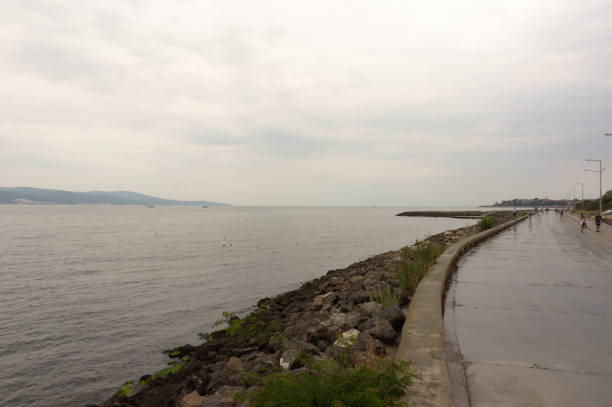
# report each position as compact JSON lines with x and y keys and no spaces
{"x":415,"y":263}
{"x":378,"y":383}
{"x":487,"y":223}
{"x":384,"y":295}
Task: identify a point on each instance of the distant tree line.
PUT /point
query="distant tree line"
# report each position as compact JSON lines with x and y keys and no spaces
{"x":535,"y":202}
{"x":593,"y":204}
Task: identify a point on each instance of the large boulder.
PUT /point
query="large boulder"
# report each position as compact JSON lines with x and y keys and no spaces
{"x":394,"y":315}
{"x":370,"y":307}
{"x":192,"y":399}
{"x":381,"y":328}
{"x":233,"y":366}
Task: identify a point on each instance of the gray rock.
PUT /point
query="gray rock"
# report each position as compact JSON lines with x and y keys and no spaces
{"x":370,"y":307}
{"x":214,"y":400}
{"x":288,"y":358}
{"x":394,"y":315}
{"x":229,"y":391}
{"x":382,"y":329}
{"x":352,"y":319}
{"x":233,"y":366}
{"x":192,"y":399}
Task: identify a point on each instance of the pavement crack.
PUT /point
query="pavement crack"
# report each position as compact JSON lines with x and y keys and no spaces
{"x":538,"y":366}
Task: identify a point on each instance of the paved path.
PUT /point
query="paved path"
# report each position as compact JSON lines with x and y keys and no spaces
{"x":533,"y":317}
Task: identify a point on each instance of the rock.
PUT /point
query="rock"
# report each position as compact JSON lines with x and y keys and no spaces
{"x":192,"y":399}
{"x":356,"y":279}
{"x":395,"y":316}
{"x":382,"y":329}
{"x":352,"y":319}
{"x":325,"y":299}
{"x":288,"y":358}
{"x":364,"y":339}
{"x":244,"y":351}
{"x":360,"y":296}
{"x":366,"y":342}
{"x":348,"y":337}
{"x":228,"y":392}
{"x":370,"y":307}
{"x":336,"y":281}
{"x":144,"y":378}
{"x":214,"y":400}
{"x":233,"y":366}
{"x":186,"y":349}
{"x":336,"y":319}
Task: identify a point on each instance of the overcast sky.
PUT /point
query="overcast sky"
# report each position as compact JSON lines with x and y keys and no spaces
{"x":309,"y":102}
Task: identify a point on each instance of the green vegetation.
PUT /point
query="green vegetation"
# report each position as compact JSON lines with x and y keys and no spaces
{"x":165,"y":372}
{"x":249,"y":326}
{"x":174,"y":353}
{"x":384,"y":295}
{"x":415,"y":262}
{"x":328,"y":383}
{"x":125,"y":389}
{"x":487,"y":223}
{"x":593,"y":204}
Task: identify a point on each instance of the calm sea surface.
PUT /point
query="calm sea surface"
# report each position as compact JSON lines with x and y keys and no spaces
{"x":90,"y":296}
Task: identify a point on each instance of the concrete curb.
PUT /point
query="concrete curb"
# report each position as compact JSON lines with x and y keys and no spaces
{"x":422,"y":340}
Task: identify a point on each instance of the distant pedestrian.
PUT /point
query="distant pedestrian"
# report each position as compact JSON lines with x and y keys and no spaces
{"x":582,"y":223}
{"x":597,"y":222}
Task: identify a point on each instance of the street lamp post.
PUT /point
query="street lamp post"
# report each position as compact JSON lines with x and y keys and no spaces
{"x":600,"y":171}
{"x":582,"y":193}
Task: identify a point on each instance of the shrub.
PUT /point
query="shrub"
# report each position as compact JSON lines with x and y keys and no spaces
{"x":487,"y":223}
{"x":326,"y":383}
{"x":384,"y":295}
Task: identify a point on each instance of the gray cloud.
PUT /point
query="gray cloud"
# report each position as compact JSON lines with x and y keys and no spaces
{"x":487,"y":99}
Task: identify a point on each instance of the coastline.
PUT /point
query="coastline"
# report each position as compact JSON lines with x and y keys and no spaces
{"x":309,"y":318}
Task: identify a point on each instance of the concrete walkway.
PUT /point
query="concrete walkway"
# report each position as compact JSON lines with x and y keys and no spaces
{"x":533,"y":316}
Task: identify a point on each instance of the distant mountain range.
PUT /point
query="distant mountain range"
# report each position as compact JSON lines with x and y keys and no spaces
{"x":27,"y":195}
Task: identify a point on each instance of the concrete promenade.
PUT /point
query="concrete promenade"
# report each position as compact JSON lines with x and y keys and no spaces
{"x":533,"y":316}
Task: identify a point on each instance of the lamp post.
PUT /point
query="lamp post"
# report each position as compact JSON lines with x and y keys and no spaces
{"x":582,"y":192}
{"x":600,"y":171}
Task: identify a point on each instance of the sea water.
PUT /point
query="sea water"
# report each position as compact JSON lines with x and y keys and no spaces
{"x":90,"y":296}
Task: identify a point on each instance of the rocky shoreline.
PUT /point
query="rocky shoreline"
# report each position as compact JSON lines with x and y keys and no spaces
{"x":311,"y":320}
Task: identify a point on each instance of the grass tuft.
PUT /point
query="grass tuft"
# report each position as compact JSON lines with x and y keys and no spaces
{"x":384,"y":295}
{"x":416,"y":261}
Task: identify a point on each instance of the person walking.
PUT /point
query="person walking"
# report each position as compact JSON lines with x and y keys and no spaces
{"x":582,"y":223}
{"x":597,"y":222}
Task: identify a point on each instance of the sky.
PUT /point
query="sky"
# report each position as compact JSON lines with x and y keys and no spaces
{"x":403,"y":103}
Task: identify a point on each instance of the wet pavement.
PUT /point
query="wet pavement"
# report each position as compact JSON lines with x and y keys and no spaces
{"x":533,"y":316}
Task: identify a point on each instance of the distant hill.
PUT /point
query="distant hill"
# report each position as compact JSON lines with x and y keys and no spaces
{"x":27,"y":195}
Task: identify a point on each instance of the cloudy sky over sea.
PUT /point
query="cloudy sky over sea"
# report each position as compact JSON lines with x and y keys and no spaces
{"x":309,"y":102}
